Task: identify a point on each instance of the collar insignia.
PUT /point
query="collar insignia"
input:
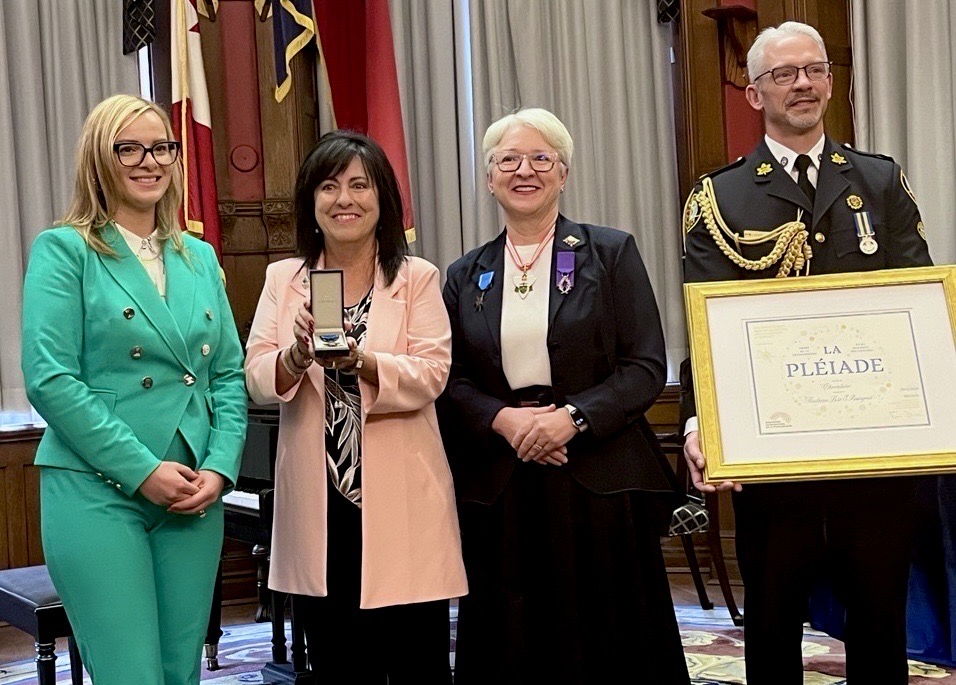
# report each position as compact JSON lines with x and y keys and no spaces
{"x":837,"y":158}
{"x":764,"y":169}
{"x":571,"y":241}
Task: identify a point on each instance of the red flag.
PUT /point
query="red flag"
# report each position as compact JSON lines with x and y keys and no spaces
{"x":355,"y":38}
{"x":192,"y":124}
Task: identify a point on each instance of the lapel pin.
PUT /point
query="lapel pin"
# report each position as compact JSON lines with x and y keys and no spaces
{"x":837,"y":158}
{"x":854,"y":202}
{"x":571,"y":241}
{"x":764,"y":169}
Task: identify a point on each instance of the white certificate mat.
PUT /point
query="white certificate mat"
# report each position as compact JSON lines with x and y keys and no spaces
{"x":833,"y":373}
{"x":835,"y":376}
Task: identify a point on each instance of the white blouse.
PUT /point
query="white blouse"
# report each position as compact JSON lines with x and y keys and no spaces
{"x":149,"y":251}
{"x":524,"y":322}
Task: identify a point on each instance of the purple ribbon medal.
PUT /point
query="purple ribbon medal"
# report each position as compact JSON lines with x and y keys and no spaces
{"x":564,"y":272}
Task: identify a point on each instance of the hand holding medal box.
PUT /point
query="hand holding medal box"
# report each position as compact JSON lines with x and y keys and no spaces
{"x":328,"y":308}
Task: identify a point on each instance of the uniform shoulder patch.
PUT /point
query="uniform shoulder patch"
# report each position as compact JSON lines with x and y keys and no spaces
{"x":692,"y":211}
{"x":733,"y":165}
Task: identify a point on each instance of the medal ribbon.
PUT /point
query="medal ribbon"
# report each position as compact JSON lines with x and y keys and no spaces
{"x":522,"y":266}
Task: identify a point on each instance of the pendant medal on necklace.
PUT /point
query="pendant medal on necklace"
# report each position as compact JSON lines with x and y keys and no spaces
{"x":524,"y":282}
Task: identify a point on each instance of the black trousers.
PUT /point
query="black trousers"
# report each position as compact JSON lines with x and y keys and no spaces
{"x":405,"y":644}
{"x":857,"y":532}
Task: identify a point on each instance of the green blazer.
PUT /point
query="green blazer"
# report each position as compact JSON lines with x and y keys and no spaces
{"x":115,"y":370}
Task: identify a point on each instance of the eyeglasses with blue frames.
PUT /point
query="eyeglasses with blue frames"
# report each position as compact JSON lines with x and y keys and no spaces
{"x":787,"y":75}
{"x":131,"y":154}
{"x":511,"y":161}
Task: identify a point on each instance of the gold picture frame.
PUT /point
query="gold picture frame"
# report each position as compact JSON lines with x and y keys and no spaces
{"x":835,"y":376}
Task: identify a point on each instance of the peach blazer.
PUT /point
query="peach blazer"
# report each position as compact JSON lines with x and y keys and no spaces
{"x":411,"y":546}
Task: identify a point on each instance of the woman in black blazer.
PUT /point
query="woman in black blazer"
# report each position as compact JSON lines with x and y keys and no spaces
{"x":557,"y":352}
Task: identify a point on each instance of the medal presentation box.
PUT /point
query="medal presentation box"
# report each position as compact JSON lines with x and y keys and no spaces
{"x":835,"y":376}
{"x":328,"y":311}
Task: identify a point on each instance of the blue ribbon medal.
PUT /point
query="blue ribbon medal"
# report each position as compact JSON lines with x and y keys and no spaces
{"x":484,"y":282}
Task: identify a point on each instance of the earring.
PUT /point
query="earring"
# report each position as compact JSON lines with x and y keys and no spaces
{"x":316,"y":231}
{"x":562,"y":189}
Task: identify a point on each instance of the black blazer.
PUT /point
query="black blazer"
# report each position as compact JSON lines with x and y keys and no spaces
{"x":607,"y":358}
{"x":756,"y":194}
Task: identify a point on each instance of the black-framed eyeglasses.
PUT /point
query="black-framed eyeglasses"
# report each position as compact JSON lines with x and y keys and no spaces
{"x":511,"y":161}
{"x":786,"y":75}
{"x":164,"y":152}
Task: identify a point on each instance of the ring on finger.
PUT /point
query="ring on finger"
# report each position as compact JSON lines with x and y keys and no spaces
{"x":536,"y":446}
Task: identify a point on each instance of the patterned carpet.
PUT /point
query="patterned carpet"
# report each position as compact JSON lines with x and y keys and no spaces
{"x":712,"y":644}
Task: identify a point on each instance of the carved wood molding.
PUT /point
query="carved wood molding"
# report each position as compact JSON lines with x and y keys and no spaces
{"x":276,"y":216}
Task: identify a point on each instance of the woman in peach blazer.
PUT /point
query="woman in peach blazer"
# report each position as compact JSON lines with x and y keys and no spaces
{"x":365,"y":533}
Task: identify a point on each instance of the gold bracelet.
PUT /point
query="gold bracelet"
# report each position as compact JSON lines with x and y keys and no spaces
{"x":287,"y":365}
{"x":305,"y":364}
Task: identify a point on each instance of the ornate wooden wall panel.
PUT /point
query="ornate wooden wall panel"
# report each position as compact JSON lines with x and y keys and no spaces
{"x":259,"y":145}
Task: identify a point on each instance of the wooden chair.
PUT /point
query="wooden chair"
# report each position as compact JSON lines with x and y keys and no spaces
{"x":29,"y":601}
{"x":673,"y":444}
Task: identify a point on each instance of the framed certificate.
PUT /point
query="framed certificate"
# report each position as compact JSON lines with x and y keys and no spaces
{"x":836,"y":376}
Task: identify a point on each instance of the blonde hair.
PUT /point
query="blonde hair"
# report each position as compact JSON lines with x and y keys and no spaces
{"x":549,"y":126}
{"x":96,"y":192}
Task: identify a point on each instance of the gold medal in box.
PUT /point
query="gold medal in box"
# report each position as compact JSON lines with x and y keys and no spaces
{"x":328,"y":311}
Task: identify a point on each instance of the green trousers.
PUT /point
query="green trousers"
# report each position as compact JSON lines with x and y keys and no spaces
{"x":136,"y":581}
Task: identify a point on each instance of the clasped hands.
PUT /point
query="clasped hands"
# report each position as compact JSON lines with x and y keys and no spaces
{"x":538,"y":434}
{"x":182,"y":490}
{"x":304,"y":326}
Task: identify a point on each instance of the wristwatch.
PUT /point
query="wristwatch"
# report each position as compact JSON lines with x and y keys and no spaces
{"x":577,"y":418}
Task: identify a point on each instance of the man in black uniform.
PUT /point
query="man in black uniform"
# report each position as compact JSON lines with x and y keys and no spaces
{"x":801,"y":204}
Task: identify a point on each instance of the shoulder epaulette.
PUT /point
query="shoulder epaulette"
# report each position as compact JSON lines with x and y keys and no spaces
{"x":733,"y":165}
{"x":877,"y":155}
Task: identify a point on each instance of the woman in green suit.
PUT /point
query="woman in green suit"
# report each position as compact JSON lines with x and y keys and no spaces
{"x":131,"y":355}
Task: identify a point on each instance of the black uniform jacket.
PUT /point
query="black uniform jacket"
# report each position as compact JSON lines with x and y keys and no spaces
{"x":756,"y":194}
{"x":607,"y":359}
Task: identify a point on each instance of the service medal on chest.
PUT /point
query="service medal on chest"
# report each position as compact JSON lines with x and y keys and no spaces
{"x":865,"y":232}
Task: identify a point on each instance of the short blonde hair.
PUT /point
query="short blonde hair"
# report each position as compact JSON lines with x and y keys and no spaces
{"x":755,"y":65}
{"x":96,"y":191}
{"x":549,"y":126}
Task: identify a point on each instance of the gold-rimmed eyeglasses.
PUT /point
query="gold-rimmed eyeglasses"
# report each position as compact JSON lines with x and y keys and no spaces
{"x":787,"y":74}
{"x":164,"y":152}
{"x":511,"y":161}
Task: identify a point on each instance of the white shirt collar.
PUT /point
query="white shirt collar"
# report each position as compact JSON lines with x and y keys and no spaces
{"x":788,"y":157}
{"x":146,"y":248}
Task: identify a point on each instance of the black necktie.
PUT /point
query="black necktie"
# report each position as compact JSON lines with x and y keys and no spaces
{"x":802,"y":164}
